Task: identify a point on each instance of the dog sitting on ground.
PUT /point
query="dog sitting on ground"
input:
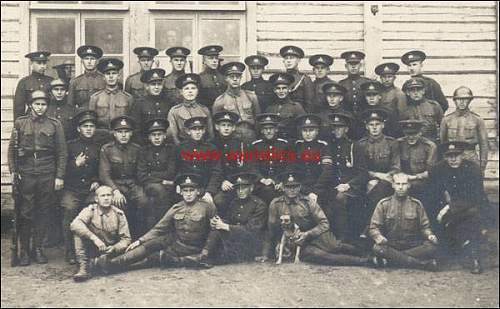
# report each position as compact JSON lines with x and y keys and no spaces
{"x":287,"y":248}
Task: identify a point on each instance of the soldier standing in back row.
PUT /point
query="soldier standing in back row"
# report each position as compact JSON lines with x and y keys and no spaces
{"x":321,"y":67}
{"x":60,"y":109}
{"x":212,"y":81}
{"x":83,"y":86}
{"x":178,"y":60}
{"x":392,"y":97}
{"x":133,"y":84}
{"x":37,"y":80}
{"x":262,"y":88}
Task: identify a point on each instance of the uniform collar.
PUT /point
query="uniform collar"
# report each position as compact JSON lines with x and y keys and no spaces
{"x":354,"y":77}
{"x":289,"y":201}
{"x":463,"y":113}
{"x":322,"y":79}
{"x":38,"y":118}
{"x":92,"y":73}
{"x":36,"y":74}
{"x":293,"y":71}
{"x":233,"y":92}
{"x":177,"y":73}
{"x":401,"y":200}
{"x":111,"y":91}
{"x":101,"y":212}
{"x":372,"y":139}
{"x":257,"y":80}
{"x":188,"y":104}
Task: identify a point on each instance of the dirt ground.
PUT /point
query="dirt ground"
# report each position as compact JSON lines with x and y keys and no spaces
{"x":247,"y":285}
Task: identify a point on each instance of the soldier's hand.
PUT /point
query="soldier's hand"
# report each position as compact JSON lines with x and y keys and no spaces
{"x":343,"y":187}
{"x":119,"y":199}
{"x":433,"y":239}
{"x":100,"y":245}
{"x":313,"y":197}
{"x":208,"y":198}
{"x":381,"y":240}
{"x":301,"y":238}
{"x":80,"y":159}
{"x":94,"y":186}
{"x":442,"y":212}
{"x":110,"y":249}
{"x":133,"y":245}
{"x":278,"y":186}
{"x":261,"y":259}
{"x":58,"y":184}
{"x":226,"y":186}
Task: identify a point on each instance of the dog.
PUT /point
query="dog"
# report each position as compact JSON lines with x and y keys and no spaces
{"x":287,"y":245}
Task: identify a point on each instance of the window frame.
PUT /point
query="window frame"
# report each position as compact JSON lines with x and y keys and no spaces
{"x":198,"y":6}
{"x":35,"y":5}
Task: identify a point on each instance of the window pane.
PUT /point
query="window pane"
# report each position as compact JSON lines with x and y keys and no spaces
{"x":170,"y":33}
{"x":61,"y":73}
{"x":56,"y":35}
{"x":221,"y":32}
{"x":105,"y":33}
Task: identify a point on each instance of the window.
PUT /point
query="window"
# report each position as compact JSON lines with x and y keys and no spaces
{"x":199,"y":5}
{"x":79,"y":5}
{"x":195,"y":30}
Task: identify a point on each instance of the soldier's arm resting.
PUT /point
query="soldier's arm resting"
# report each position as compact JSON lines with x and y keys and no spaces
{"x":425,"y":225}
{"x":61,"y":151}
{"x":376,"y":224}
{"x":105,"y":170}
{"x":319,"y":216}
{"x":124,"y":234}
{"x":173,"y":127}
{"x":79,"y":226}
{"x":272,"y":231}
{"x":20,"y":99}
{"x":483,"y":144}
{"x":163,"y":227}
{"x":395,"y":159}
{"x":443,"y":131}
{"x":308,"y":94}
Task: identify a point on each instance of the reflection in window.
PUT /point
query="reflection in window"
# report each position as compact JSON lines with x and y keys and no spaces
{"x":170,"y":33}
{"x":56,"y":35}
{"x":61,"y":72}
{"x":105,"y":33}
{"x":222,"y":32}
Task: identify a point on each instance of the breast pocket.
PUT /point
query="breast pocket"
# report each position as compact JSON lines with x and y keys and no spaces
{"x":116,"y":165}
{"x":453,"y":132}
{"x":47,"y":137}
{"x":410,"y":220}
{"x":470,"y":132}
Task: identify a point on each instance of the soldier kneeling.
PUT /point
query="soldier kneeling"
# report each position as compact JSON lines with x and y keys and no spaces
{"x":101,"y":229}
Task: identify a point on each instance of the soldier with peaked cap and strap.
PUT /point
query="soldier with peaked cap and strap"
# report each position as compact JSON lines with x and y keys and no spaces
{"x":40,"y":163}
{"x":334,"y":103}
{"x":301,"y":89}
{"x":242,"y":102}
{"x":65,"y":70}
{"x":189,"y":85}
{"x":37,"y":80}
{"x":321,"y":67}
{"x":392,"y":97}
{"x":212,"y":83}
{"x":283,"y":105}
{"x":60,"y":109}
{"x":414,"y":60}
{"x":178,"y":60}
{"x":421,"y":108}
{"x":83,"y":86}
{"x":467,"y":126}
{"x":156,"y":170}
{"x":133,"y":83}
{"x":262,"y":88}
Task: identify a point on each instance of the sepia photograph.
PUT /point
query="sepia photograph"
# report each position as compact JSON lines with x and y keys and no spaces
{"x":249,"y":154}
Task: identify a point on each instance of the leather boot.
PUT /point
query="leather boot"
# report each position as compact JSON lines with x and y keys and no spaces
{"x":83,"y":273}
{"x":40,"y":257}
{"x":197,"y":260}
{"x":121,"y":261}
{"x":398,"y":257}
{"x":476,"y":267}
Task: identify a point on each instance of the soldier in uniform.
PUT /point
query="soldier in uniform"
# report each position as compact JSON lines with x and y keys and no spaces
{"x":156,"y":171}
{"x":133,"y":84}
{"x":262,"y":88}
{"x":41,"y":166}
{"x":82,"y":175}
{"x":237,"y":234}
{"x":380,"y":154}
{"x":83,"y":86}
{"x":392,"y":97}
{"x":189,"y":107}
{"x":283,"y":105}
{"x":118,"y":163}
{"x":178,"y":60}
{"x":100,"y":229}
{"x":421,"y":108}
{"x":212,"y":81}
{"x":461,"y":183}
{"x":334,"y":103}
{"x":195,"y":155}
{"x":37,"y":80}
{"x":180,"y":236}
{"x":401,"y":229}
{"x":65,"y":70}
{"x":321,"y":67}
{"x":467,"y":126}
{"x":414,"y":60}
{"x":242,"y":102}
{"x":60,"y":109}
{"x":318,"y":243}
{"x":301,"y":88}
{"x":152,"y":104}
{"x":345,"y":184}
{"x":110,"y":102}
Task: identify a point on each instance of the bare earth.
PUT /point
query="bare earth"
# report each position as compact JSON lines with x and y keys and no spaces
{"x":247,"y":285}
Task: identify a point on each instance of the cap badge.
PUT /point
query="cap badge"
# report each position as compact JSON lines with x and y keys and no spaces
{"x":156,"y":124}
{"x":268,"y":118}
{"x":290,"y":50}
{"x":371,"y":87}
{"x":89,"y":50}
{"x":290,"y":178}
{"x":320,"y":59}
{"x":255,"y":60}
{"x":452,"y":147}
{"x":188,"y":180}
{"x":196,"y":122}
{"x":336,"y":119}
{"x":411,"y":56}
{"x":239,"y":180}
{"x":110,"y":64}
{"x":123,"y":122}
{"x":308,"y":121}
{"x":226,"y":116}
{"x":386,"y":69}
{"x":189,"y":79}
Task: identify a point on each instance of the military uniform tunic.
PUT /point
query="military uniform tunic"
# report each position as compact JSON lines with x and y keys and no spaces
{"x":319,"y":103}
{"x":417,"y":158}
{"x":170,"y":92}
{"x":178,"y":115}
{"x":63,"y":112}
{"x":79,"y":178}
{"x":302,"y":90}
{"x":288,"y":110}
{"x":110,"y":104}
{"x":313,"y":160}
{"x":381,"y":154}
{"x":157,"y":163}
{"x":430,"y":113}
{"x":212,"y":85}
{"x":149,"y":107}
{"x":269,"y":166}
{"x":354,"y":97}
{"x":434,"y":92}
{"x":134,"y":86}
{"x":83,"y":86}
{"x":263,"y":89}
{"x":229,"y":149}
{"x":25,"y":87}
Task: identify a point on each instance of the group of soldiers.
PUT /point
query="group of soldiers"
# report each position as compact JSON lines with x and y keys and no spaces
{"x":200,"y":169}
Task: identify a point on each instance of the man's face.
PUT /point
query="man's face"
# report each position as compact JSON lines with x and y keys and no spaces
{"x":58,"y":92}
{"x":339,"y":131}
{"x":111,"y":77}
{"x":189,"y":194}
{"x":39,"y":107}
{"x":416,"y":93}
{"x":243,"y":191}
{"x":156,"y":138}
{"x":291,"y":191}
{"x":86,"y":129}
{"x":178,"y":63}
{"x":154,"y":88}
{"x":197,"y":133}
{"x":211,"y":61}
{"x":281,"y":91}
{"x":190,"y":92}
{"x":89,"y":63}
{"x":334,"y":99}
{"x":462,"y":103}
{"x":309,"y":134}
{"x":412,"y":137}
{"x":225,"y":128}
{"x":233,"y":80}
{"x":39,"y":66}
{"x":375,"y":127}
{"x":104,"y":197}
{"x":415,"y":68}
{"x":256,"y":71}
{"x":291,"y":62}
{"x":269,"y":132}
{"x":353,"y":68}
{"x":387,"y":79}
{"x":401,"y":185}
{"x":146,"y":63}
{"x":373,"y":99}
{"x":320,"y":70}
{"x":122,"y":136}
{"x":454,"y":160}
